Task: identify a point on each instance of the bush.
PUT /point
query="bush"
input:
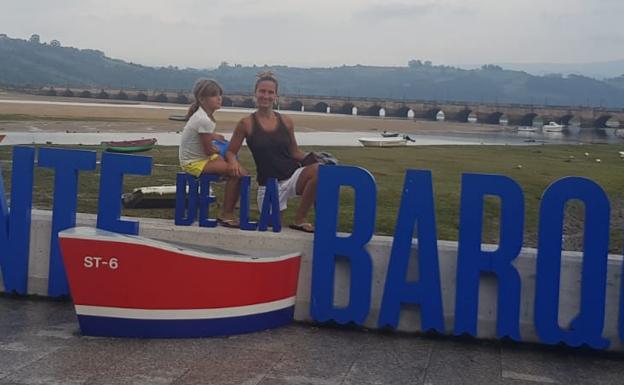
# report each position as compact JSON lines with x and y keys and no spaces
{"x":102,"y":95}
{"x":68,"y":93}
{"x":51,"y":92}
{"x":141,"y":97}
{"x":85,"y":94}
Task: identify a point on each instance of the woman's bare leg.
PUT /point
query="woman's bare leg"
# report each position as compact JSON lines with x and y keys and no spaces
{"x":306,"y":187}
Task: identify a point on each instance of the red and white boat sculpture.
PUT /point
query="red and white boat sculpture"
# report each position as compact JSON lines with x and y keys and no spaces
{"x":129,"y":286}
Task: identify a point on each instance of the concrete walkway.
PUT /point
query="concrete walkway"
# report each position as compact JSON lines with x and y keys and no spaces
{"x":40,"y":344}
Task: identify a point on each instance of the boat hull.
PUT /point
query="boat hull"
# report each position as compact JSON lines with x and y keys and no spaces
{"x":553,"y":127}
{"x":127,"y":286}
{"x":383,"y":142}
{"x":130,"y":146}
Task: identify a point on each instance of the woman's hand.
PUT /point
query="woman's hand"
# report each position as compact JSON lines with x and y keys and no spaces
{"x":234,"y":168}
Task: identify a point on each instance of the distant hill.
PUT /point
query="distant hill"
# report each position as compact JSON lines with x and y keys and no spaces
{"x":598,"y":70}
{"x":24,"y":63}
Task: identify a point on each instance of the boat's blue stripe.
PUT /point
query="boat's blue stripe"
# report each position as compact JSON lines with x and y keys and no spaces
{"x":141,"y":328}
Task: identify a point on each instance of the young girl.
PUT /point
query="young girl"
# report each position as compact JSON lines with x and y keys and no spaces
{"x":198,"y":155}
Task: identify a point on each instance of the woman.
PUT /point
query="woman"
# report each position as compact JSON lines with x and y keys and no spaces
{"x":271,"y":138}
{"x":198,"y":155}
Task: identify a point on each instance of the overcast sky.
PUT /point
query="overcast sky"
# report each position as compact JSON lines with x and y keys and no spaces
{"x":203,"y":33}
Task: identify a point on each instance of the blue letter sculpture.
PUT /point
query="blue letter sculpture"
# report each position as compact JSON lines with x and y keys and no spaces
{"x":416,"y":206}
{"x":113,"y":167}
{"x":471,"y":260}
{"x":270,"y":207}
{"x":327,"y":245}
{"x":186,"y":203}
{"x":245,"y":223}
{"x":587,"y":327}
{"x":205,"y":199}
{"x":15,"y":224}
{"x":67,"y":164}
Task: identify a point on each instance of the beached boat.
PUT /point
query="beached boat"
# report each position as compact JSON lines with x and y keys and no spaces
{"x":130,"y":145}
{"x":151,"y":197}
{"x":178,"y":118}
{"x":383,"y":141}
{"x":130,"y":286}
{"x":553,"y":127}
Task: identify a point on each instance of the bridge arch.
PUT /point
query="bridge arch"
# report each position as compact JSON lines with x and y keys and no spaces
{"x":607,"y":121}
{"x":295,"y":105}
{"x":346,"y":109}
{"x":493,"y":118}
{"x":565,"y":119}
{"x":321,"y":107}
{"x":435,"y":114}
{"x":227,"y":102}
{"x":372,"y":110}
{"x":466,"y":116}
{"x":573,"y":121}
{"x":401,"y":112}
{"x":532,"y":120}
{"x":247,"y":103}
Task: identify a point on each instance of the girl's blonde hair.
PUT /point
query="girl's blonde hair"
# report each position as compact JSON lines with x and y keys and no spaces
{"x":203,"y":88}
{"x":266,"y":76}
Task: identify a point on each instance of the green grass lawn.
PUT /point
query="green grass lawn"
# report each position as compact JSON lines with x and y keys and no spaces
{"x":532,"y":167}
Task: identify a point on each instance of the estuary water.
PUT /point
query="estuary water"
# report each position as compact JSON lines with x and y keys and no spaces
{"x":330,"y":139}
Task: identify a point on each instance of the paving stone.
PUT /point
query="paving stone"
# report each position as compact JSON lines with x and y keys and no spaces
{"x":463,"y":362}
{"x":74,"y":363}
{"x":40,"y":344}
{"x":230,"y":366}
{"x":392,"y":359}
{"x":563,"y":365}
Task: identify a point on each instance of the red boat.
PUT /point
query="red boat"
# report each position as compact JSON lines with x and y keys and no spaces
{"x":129,"y":286}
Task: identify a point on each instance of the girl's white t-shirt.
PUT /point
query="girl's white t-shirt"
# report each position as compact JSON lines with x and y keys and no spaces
{"x":191,"y":146}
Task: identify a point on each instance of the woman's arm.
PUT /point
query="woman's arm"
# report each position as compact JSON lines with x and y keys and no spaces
{"x":295,"y":151}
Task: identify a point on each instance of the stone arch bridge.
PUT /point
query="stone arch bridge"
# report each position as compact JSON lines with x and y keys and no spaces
{"x":503,"y":114}
{"x":469,"y":112}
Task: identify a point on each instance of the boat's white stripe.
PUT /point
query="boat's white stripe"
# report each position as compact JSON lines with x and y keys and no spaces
{"x":107,"y":236}
{"x":179,"y":314}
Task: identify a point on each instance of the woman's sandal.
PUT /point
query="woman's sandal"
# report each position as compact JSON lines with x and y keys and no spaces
{"x":231,"y":223}
{"x":305,"y":227}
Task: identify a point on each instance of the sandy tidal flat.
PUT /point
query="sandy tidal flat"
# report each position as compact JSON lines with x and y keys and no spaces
{"x":31,"y":115}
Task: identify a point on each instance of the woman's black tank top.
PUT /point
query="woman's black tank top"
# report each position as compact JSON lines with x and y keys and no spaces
{"x":271,"y":151}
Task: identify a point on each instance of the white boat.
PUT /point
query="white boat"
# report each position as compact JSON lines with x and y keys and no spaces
{"x":383,"y":142}
{"x":553,"y":127}
{"x":527,"y":129}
